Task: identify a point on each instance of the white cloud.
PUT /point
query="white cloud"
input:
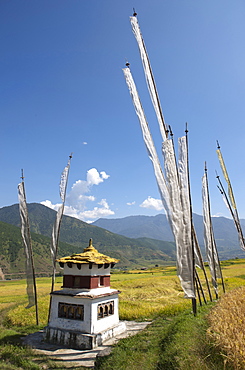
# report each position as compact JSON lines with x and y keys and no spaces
{"x":78,"y":199}
{"x":152,"y":203}
{"x":85,"y":143}
{"x":98,"y":212}
{"x":47,"y":203}
{"x":220,"y":215}
{"x":104,"y":175}
{"x":95,"y":178}
{"x":130,"y":203}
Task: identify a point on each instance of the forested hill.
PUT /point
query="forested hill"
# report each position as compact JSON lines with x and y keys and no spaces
{"x":131,"y":252}
{"x":12,"y":257}
{"x":142,"y":248}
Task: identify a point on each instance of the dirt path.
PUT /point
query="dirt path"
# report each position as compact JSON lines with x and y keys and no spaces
{"x":72,"y":358}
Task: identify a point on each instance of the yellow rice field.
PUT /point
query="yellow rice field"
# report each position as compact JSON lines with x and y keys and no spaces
{"x":227,"y":326}
{"x":144,"y":295}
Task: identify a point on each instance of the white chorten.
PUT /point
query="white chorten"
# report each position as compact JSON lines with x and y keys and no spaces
{"x":84,"y":313}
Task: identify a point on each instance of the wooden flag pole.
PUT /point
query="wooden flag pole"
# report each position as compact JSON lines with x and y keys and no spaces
{"x":201,"y":288}
{"x":203,"y":269}
{"x":222,"y":190}
{"x":30,"y":250}
{"x":197,"y":290}
{"x":194,"y":303}
{"x":54,"y":248}
{"x":214,"y":249}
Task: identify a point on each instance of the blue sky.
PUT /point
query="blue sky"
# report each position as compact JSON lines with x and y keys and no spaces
{"x":62,"y":91}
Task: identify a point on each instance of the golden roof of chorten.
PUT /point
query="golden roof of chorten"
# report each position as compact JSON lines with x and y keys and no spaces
{"x":89,"y":255}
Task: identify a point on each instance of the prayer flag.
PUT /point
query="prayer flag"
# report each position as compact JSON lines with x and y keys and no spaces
{"x":209,"y":241}
{"x":149,"y":76}
{"x":56,"y":227}
{"x":26,"y":237}
{"x":169,"y":190}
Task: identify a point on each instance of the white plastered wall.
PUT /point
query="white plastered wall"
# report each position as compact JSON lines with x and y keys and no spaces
{"x":91,"y":324}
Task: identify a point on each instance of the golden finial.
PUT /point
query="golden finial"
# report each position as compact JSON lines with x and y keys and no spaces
{"x":90,"y":247}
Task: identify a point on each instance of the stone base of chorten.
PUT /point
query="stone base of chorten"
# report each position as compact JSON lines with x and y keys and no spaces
{"x":77,"y":340}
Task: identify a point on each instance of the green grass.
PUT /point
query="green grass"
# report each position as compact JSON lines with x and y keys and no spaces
{"x":13,"y":357}
{"x":177,"y":342}
{"x":175,"y":339}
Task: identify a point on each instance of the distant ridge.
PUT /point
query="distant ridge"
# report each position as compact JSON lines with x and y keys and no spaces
{"x":158,"y":227}
{"x":155,"y":227}
{"x":76,"y":234}
{"x":135,"y":240}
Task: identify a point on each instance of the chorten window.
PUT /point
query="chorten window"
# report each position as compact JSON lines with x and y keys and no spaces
{"x":102,"y":280}
{"x":76,"y":283}
{"x":105,"y":309}
{"x":71,"y":311}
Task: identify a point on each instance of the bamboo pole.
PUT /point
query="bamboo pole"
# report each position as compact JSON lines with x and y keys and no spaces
{"x":198,"y":292}
{"x":57,"y":238}
{"x":203,"y":268}
{"x":194,"y":304}
{"x":31,"y":251}
{"x":200,"y":286}
{"x":214,"y":248}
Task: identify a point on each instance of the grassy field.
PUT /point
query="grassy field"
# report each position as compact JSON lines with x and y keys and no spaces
{"x":175,"y":340}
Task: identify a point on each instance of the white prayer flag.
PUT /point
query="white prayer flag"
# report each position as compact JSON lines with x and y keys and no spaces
{"x":149,"y":76}
{"x":25,"y":233}
{"x":59,"y":215}
{"x":63,"y":181}
{"x":162,"y":186}
{"x":169,"y":190}
{"x":189,"y":246}
{"x":209,"y":241}
{"x":232,"y":204}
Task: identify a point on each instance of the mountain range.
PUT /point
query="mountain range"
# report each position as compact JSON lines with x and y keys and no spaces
{"x":157,"y":227}
{"x":136,"y":241}
{"x":74,"y":237}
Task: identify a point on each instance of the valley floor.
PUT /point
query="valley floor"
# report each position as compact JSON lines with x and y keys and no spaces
{"x":175,"y":339}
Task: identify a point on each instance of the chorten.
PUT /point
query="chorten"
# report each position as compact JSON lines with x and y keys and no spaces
{"x":84,"y":313}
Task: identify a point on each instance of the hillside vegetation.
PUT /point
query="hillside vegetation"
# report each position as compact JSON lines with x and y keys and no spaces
{"x":74,"y":237}
{"x":12,"y":257}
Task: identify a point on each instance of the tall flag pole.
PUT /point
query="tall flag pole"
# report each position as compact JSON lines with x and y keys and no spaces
{"x":181,"y":232}
{"x":161,"y":182}
{"x":229,"y":206}
{"x":173,"y":210}
{"x":209,"y":240}
{"x":59,"y":215}
{"x":187,"y":194}
{"x":176,"y":210}
{"x":149,"y":75}
{"x":57,"y":224}
{"x":232,"y":204}
{"x":180,"y":216}
{"x":199,"y":261}
{"x":171,"y":170}
{"x":184,"y":174}
{"x":26,"y":237}
{"x":162,"y":125}
{"x":178,"y":200}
